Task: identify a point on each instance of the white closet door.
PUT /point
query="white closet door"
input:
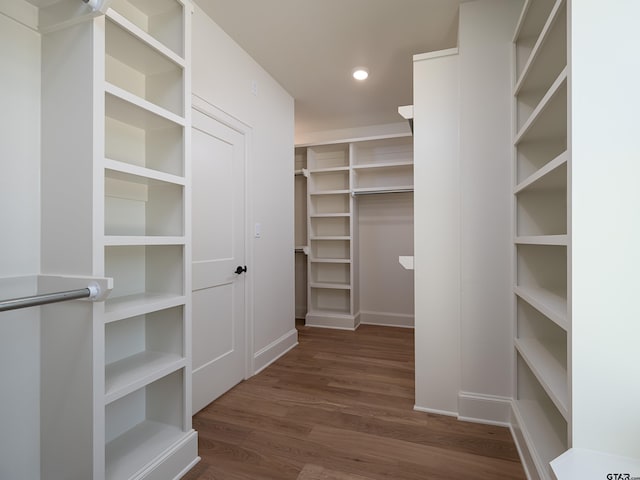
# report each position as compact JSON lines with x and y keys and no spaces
{"x":218,"y":250}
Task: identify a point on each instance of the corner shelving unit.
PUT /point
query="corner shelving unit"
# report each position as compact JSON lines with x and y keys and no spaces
{"x":384,"y":165}
{"x":542,"y":240}
{"x":136,"y":68}
{"x":331,"y":270}
{"x":300,"y":232}
{"x":336,"y":174}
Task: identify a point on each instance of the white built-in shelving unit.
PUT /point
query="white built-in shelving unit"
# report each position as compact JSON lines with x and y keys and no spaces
{"x":300,"y":232}
{"x":335,"y":175}
{"x":134,"y":165}
{"x":542,"y":237}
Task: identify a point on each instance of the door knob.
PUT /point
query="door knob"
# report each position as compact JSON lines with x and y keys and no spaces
{"x":240,"y":270}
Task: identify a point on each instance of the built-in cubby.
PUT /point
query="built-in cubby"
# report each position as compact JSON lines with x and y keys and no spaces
{"x":327,"y":157}
{"x":139,"y":270}
{"x":162,"y":20}
{"x":381,"y":176}
{"x":141,"y":349}
{"x":140,"y":137}
{"x":329,"y":181}
{"x":330,"y":300}
{"x":330,"y":274}
{"x":143,"y":424}
{"x":329,"y":227}
{"x":548,"y":121}
{"x":535,"y":15}
{"x":543,"y":66}
{"x":330,"y":249}
{"x":388,"y":151}
{"x":542,"y":213}
{"x":142,"y":206}
{"x":542,"y":233}
{"x":329,"y":204}
{"x":545,"y":426}
{"x":142,"y":70}
{"x":542,"y":344}
{"x":385,"y":164}
{"x":543,"y":267}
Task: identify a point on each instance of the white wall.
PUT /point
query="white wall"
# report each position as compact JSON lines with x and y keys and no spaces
{"x":385,"y":224}
{"x":19,"y":247}
{"x":485,"y":50}
{"x":605,"y":227}
{"x":462,"y":110}
{"x":223,"y":75}
{"x":437,"y":231}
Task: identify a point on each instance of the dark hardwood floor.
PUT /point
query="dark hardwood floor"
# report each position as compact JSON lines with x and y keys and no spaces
{"x":340,"y":407}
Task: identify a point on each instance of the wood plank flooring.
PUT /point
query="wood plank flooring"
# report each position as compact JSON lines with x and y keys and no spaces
{"x":340,"y":407}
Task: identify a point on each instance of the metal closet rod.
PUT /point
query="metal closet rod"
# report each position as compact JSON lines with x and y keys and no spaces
{"x":35,"y":300}
{"x":378,"y":192}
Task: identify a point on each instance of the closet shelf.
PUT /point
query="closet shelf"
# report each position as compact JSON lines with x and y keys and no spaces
{"x":129,"y":374}
{"x":552,"y":375}
{"x":521,"y":30}
{"x":143,"y":36}
{"x":120,"y":308}
{"x":383,"y":166}
{"x":129,"y":453}
{"x":146,"y":115}
{"x":330,"y":260}
{"x":330,"y":215}
{"x":331,"y":312}
{"x":547,"y":120}
{"x":142,"y":172}
{"x":540,"y":433}
{"x":329,"y":192}
{"x":328,"y":170}
{"x":552,"y":176}
{"x":329,"y":237}
{"x":555,"y":12}
{"x":131,"y":240}
{"x":333,"y":286}
{"x":550,"y":304}
{"x":140,"y":56}
{"x":561,"y":240}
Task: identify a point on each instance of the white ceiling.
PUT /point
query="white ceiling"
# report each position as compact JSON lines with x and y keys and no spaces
{"x":311,"y":46}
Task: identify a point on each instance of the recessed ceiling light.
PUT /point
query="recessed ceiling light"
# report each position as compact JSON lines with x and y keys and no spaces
{"x":360,"y":73}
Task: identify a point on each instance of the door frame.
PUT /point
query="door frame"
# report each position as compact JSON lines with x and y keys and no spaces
{"x":203,"y":106}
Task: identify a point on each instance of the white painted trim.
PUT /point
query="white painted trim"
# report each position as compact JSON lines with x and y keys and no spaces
{"x":437,"y":54}
{"x":525,"y":454}
{"x":387,"y":319}
{"x":348,"y":329}
{"x":339,"y":322}
{"x":481,"y":408}
{"x":351,"y":135}
{"x":275,"y":350}
{"x":246,"y":130}
{"x":435,"y":411}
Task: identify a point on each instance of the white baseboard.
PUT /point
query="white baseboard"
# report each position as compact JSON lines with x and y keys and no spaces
{"x":527,"y":456}
{"x":269,"y":354}
{"x":435,"y":411}
{"x":486,"y":409}
{"x":387,"y":319}
{"x":338,"y":322}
